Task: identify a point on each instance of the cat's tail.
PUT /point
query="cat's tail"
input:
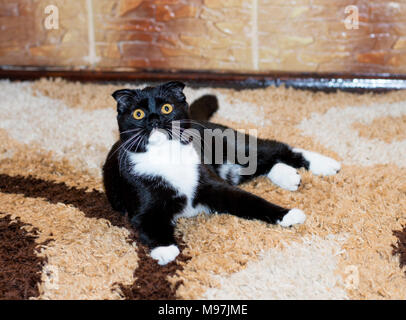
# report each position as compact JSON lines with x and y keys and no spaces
{"x":203,"y":108}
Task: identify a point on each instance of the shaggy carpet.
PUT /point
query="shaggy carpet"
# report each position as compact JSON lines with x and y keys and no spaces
{"x":61,"y":240}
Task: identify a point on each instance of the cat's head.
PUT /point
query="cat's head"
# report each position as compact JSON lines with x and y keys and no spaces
{"x":141,"y":112}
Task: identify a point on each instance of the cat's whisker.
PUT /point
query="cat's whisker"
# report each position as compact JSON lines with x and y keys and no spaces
{"x":133,"y":130}
{"x":193,"y":135}
{"x":123,"y":148}
{"x":131,"y":138}
{"x":126,"y":153}
{"x":180,"y":136}
{"x":181,"y":130}
{"x":139,"y":142}
{"x":126,"y":143}
{"x":191,"y":121}
{"x":197,"y":137}
{"x":189,"y":131}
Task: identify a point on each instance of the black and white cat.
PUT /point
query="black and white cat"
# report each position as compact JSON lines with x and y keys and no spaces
{"x":142,"y":178}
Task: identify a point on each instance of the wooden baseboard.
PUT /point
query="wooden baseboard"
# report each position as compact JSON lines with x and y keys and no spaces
{"x":309,"y":81}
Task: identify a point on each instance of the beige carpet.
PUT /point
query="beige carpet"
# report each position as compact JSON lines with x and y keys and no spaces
{"x":55,"y":136}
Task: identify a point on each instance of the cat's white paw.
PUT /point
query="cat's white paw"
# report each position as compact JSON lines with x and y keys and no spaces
{"x":165,"y":254}
{"x":294,"y":216}
{"x":285,"y":176}
{"x":319,"y":164}
{"x":230,"y":172}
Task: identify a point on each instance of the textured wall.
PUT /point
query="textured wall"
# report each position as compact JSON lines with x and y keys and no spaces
{"x":222,"y":35}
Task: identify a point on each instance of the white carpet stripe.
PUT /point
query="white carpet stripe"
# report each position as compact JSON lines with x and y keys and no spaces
{"x":300,"y":271}
{"x":75,"y":134}
{"x":334,"y":130}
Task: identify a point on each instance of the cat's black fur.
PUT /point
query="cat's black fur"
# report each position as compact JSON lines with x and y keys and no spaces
{"x":152,"y":202}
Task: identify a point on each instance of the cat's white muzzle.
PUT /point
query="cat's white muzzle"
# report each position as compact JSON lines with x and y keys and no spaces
{"x":157,"y":136}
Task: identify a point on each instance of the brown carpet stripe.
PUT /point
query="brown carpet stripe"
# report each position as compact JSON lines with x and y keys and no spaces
{"x":20,"y":267}
{"x":93,"y":204}
{"x":151,"y":279}
{"x":155,"y":285}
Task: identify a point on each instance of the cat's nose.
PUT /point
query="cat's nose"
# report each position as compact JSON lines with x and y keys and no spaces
{"x":154,"y":123}
{"x":153,"y":120}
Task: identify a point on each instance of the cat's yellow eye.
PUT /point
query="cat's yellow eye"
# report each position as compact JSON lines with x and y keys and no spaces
{"x":166,"y":108}
{"x":138,"y":114}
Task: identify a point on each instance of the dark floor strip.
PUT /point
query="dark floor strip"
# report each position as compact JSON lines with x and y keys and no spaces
{"x":151,"y":278}
{"x":328,"y":82}
{"x":400,"y":247}
{"x":20,"y":267}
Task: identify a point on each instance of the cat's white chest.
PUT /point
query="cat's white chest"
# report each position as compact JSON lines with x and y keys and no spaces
{"x":176,"y":163}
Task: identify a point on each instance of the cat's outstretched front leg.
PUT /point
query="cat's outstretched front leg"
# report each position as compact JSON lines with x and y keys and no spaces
{"x":156,"y":230}
{"x":223,"y":198}
{"x":159,"y":236}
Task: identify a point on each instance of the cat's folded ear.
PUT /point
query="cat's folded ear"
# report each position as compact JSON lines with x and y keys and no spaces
{"x":124,"y":97}
{"x":175,"y":88}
